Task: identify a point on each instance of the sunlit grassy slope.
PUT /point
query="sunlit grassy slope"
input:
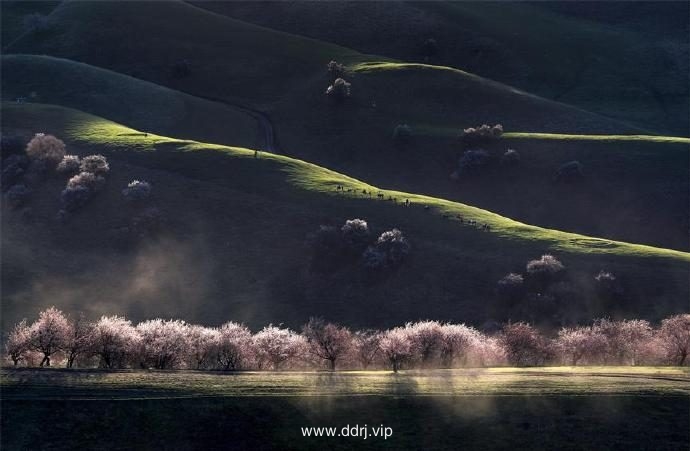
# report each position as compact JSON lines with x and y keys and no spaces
{"x":150,"y":107}
{"x":455,"y":132}
{"x":608,"y":138}
{"x":95,"y":131}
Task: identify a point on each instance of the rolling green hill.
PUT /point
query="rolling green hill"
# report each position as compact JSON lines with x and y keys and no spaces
{"x":235,"y":248}
{"x":644,"y":184}
{"x":284,"y":76}
{"x":630,"y":63}
{"x":150,"y":107}
{"x":228,"y":59}
{"x":236,"y":225}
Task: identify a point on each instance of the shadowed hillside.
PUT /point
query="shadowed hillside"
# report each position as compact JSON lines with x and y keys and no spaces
{"x":149,"y":107}
{"x":284,"y":75}
{"x":233,"y":245}
{"x":636,"y":70}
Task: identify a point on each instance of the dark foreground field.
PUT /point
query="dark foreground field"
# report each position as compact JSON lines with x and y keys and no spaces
{"x":552,"y":408}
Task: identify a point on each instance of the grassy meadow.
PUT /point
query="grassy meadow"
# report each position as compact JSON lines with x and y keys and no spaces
{"x":500,"y":408}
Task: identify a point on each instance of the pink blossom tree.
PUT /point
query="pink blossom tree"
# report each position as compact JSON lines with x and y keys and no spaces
{"x":578,"y":343}
{"x":233,"y":346}
{"x":327,"y":341}
{"x":456,"y":340}
{"x":78,"y":339}
{"x":524,"y":345}
{"x":675,"y":334}
{"x":278,"y":347}
{"x":162,"y":344}
{"x":488,"y":351}
{"x":396,"y":346}
{"x":201,"y":346}
{"x":18,"y":342}
{"x":540,"y":273}
{"x":425,"y":338}
{"x":367,"y":346}
{"x":114,"y":340}
{"x":624,"y":339}
{"x":635,"y":334}
{"x":48,"y":334}
{"x":46,"y":148}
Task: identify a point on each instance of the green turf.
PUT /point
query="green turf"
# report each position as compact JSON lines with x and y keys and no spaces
{"x":451,"y":132}
{"x":552,"y":408}
{"x":131,"y":384}
{"x":607,"y":138}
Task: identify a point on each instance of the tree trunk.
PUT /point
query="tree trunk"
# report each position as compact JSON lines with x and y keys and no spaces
{"x":332,"y":362}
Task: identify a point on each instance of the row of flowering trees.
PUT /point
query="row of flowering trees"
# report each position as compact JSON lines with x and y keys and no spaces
{"x":114,"y":342}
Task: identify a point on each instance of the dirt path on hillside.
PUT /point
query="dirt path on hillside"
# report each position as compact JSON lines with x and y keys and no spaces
{"x":267,"y":139}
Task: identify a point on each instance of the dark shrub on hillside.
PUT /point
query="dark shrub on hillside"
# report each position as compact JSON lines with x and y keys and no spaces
{"x":564,"y":293}
{"x":327,"y":247}
{"x":95,"y":164}
{"x":339,"y":90}
{"x":475,"y":136}
{"x":137,"y":191}
{"x":511,"y":287}
{"x":335,"y":70}
{"x":18,"y":195}
{"x":539,"y":307}
{"x":69,"y":165}
{"x":88,"y":180}
{"x":13,"y":170}
{"x":11,"y":145}
{"x":181,"y":69}
{"x":46,"y":148}
{"x":430,"y":48}
{"x":38,"y":171}
{"x":374,"y":258}
{"x":75,"y":197}
{"x":473,"y":162}
{"x":540,"y":273}
{"x":510,"y":158}
{"x":394,"y":246}
{"x":608,"y":286}
{"x":355,"y":235}
{"x":147,"y":223}
{"x":571,"y":171}
{"x":402,"y":135}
